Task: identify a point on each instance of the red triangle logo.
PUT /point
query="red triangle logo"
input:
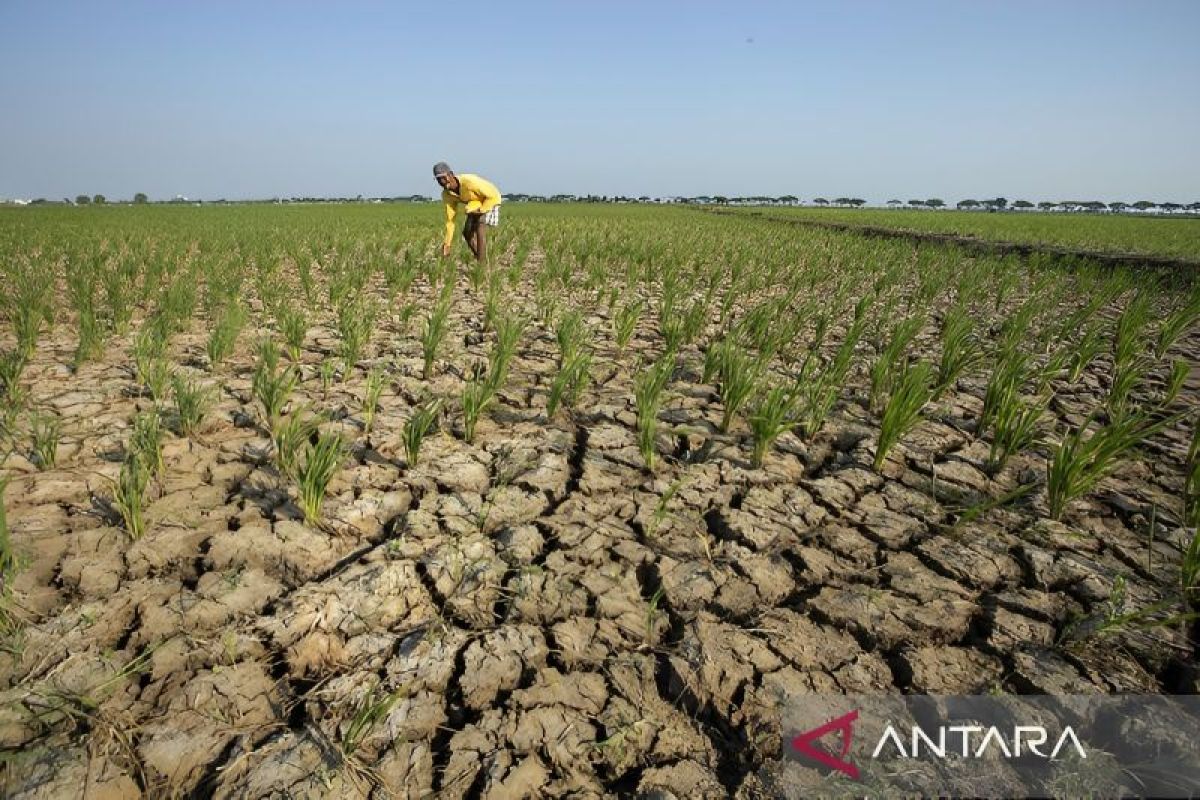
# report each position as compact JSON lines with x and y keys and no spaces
{"x":803,"y":743}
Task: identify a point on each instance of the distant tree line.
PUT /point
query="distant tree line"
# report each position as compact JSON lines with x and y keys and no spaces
{"x":994,"y":204}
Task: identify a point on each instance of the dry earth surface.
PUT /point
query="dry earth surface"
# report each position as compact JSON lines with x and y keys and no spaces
{"x":539,"y":619}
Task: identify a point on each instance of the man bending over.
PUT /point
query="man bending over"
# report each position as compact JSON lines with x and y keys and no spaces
{"x":482,"y":201}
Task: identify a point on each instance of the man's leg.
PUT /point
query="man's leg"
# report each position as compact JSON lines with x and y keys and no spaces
{"x":480,"y":240}
{"x":468,"y":232}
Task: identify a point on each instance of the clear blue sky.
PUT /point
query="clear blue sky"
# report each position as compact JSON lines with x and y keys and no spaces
{"x":1052,"y":99}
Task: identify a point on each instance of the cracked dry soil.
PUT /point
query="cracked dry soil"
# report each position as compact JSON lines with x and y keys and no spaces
{"x":539,"y":619}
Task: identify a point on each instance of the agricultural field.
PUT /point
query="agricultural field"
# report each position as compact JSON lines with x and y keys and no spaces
{"x":292,"y":506}
{"x":1115,"y":234}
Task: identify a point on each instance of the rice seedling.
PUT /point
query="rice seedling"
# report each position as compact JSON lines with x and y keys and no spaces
{"x":1180,"y":369}
{"x":477,"y":273}
{"x":399,"y":273}
{"x":508,"y":337}
{"x":625,"y":322}
{"x":648,"y":389}
{"x":477,"y":397}
{"x":571,"y":334}
{"x":268,"y":354}
{"x":272,"y":387}
{"x":45,"y":432}
{"x":891,"y":361}
{"x":773,"y":415}
{"x":294,"y":326}
{"x":27,"y":312}
{"x":120,"y":283}
{"x":1191,"y":486}
{"x":10,"y":564}
{"x":424,"y":420}
{"x":158,"y":379}
{"x":968,"y":514}
{"x":571,"y":377}
{"x":739,"y":374}
{"x":146,"y":440}
{"x":223,"y":338}
{"x":714,"y":355}
{"x":1008,"y":376}
{"x":328,"y":371}
{"x":1126,"y":377}
{"x":1189,"y":571}
{"x":1079,"y":463}
{"x":1089,"y":345}
{"x":178,"y":304}
{"x":355,"y":323}
{"x":1017,"y":330}
{"x":91,"y":337}
{"x":1127,"y":337}
{"x":192,"y":400}
{"x":129,"y":493}
{"x":695,"y":319}
{"x":315,"y":471}
{"x":1112,"y":617}
{"x":372,"y":391}
{"x":434,"y":333}
{"x":492,"y":301}
{"x":662,"y":508}
{"x":150,"y":368}
{"x":1177,"y":323}
{"x":961,"y":350}
{"x":673,"y":334}
{"x":82,"y":285}
{"x":290,"y":437}
{"x":546,"y":303}
{"x":903,"y":410}
{"x":1015,"y":424}
{"x":371,"y":709}
{"x":818,"y":395}
{"x":12,"y":365}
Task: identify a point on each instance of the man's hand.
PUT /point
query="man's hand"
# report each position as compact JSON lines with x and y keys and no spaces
{"x":445,"y":250}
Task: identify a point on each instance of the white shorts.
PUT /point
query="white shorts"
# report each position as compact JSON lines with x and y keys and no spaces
{"x":491,"y":218}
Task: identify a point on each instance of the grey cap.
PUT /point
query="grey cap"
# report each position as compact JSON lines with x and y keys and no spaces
{"x":441,"y":168}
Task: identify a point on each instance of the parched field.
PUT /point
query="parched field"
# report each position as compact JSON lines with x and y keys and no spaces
{"x":296,"y":508}
{"x":1117,"y":234}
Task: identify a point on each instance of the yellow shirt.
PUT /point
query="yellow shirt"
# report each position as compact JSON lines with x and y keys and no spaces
{"x":479,"y":194}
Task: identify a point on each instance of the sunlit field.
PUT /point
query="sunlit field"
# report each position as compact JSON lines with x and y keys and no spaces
{"x":291,"y":501}
{"x":1144,"y":234}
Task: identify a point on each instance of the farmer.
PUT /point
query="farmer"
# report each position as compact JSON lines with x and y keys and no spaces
{"x":482,"y":199}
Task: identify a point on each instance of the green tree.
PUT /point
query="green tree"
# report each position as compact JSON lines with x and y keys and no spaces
{"x":82,"y":199}
{"x":140,"y":197}
{"x":1144,"y":205}
{"x":1022,"y":204}
{"x":936,"y":203}
{"x":98,"y":200}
